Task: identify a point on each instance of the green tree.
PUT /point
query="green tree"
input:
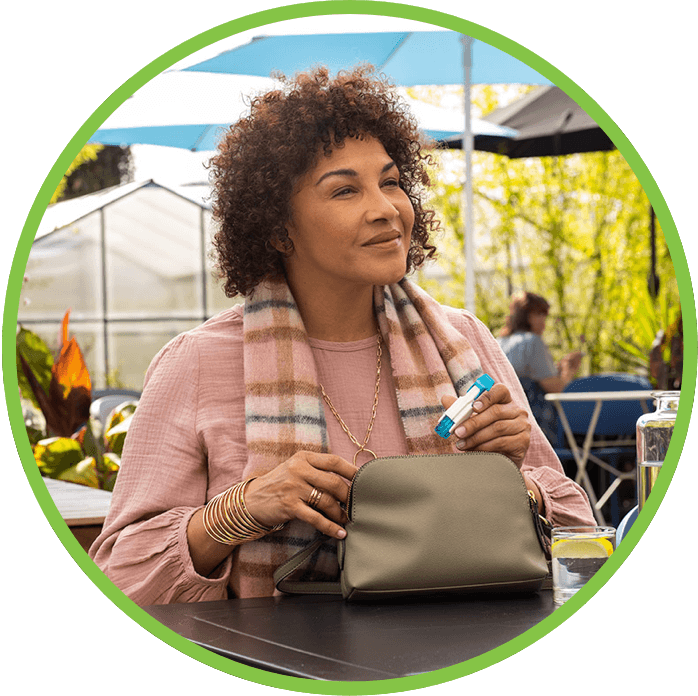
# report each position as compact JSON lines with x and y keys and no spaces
{"x":574,"y":229}
{"x":96,"y":167}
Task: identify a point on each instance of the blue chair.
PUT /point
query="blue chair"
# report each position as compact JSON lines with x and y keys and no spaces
{"x":614,"y":434}
{"x":617,"y":418}
{"x":626,"y":523}
{"x":543,"y":411}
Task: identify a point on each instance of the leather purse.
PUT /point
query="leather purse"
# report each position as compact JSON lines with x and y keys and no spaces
{"x":433,"y":524}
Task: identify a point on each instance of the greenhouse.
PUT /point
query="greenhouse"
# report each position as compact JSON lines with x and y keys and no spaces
{"x":131,"y":264}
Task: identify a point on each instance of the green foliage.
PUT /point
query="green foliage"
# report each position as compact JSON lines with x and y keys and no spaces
{"x":574,"y":229}
{"x":55,"y":455}
{"x":84,"y":473}
{"x":92,"y":455}
{"x":96,"y":167}
{"x":37,"y":354}
{"x":651,"y":320}
{"x":65,"y":401}
{"x":87,"y":154}
{"x":116,"y":432}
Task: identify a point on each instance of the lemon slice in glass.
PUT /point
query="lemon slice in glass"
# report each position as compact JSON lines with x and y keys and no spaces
{"x":581,"y":548}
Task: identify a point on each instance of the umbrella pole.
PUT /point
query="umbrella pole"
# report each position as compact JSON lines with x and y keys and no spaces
{"x":467,"y":193}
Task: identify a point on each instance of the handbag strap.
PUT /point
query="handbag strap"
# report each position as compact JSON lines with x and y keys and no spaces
{"x":301,"y":587}
{"x":542,"y":525}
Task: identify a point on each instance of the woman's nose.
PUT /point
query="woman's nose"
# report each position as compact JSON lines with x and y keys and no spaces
{"x":380,"y":207}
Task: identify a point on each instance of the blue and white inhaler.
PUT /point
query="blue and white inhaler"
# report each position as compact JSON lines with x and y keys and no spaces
{"x":463,"y":406}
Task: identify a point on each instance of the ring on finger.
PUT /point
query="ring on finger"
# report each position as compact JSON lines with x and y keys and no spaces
{"x":314,"y":498}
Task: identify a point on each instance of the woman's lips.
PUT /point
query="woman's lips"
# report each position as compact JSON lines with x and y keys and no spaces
{"x":384,"y":241}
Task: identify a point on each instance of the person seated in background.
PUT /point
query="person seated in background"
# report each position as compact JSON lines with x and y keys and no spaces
{"x":522,"y":343}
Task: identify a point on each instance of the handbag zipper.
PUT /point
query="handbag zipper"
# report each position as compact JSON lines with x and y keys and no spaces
{"x":350,"y":497}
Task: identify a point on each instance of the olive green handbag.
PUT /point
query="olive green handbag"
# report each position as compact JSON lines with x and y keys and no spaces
{"x":418,"y":525}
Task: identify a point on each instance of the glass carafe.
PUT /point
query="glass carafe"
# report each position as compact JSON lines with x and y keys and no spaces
{"x":654,"y":431}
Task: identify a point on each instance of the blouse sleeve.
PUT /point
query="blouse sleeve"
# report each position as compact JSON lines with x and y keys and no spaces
{"x":566,"y":503}
{"x":162,"y":482}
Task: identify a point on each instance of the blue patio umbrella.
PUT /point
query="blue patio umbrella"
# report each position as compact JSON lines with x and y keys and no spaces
{"x":408,"y":58}
{"x":190,"y":110}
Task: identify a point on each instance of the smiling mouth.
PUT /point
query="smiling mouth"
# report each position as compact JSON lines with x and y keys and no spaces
{"x":387,"y":241}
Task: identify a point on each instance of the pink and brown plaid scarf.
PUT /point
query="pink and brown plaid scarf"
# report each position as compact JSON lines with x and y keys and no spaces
{"x":284,"y":409}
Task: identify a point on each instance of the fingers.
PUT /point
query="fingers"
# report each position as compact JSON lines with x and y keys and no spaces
{"x":498,"y":394}
{"x":448,"y":401}
{"x":497,"y":420}
{"x":284,"y":493}
{"x":513,"y":447}
{"x":329,"y":506}
{"x":329,"y":462}
{"x":497,"y":425}
{"x":326,"y":481}
{"x":496,"y":431}
{"x":320,"y":522}
{"x":488,"y":407}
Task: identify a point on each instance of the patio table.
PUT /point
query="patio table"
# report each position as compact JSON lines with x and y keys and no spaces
{"x":583,"y":455}
{"x":324,"y":637}
{"x":82,"y":508}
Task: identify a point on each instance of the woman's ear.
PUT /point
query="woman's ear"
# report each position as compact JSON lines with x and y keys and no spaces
{"x":281,"y":241}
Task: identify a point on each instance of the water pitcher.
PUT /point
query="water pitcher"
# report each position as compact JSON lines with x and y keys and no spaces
{"x":654,"y":431}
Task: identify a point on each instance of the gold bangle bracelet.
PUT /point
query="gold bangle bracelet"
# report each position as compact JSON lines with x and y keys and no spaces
{"x":213,"y":526}
{"x":227,"y":520}
{"x":244,"y":513}
{"x":212,"y":530}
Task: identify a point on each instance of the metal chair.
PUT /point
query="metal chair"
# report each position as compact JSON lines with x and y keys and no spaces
{"x":614,"y":430}
{"x":104,"y":401}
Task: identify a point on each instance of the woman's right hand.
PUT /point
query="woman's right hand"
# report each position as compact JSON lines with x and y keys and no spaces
{"x":282,"y":494}
{"x":570,"y":364}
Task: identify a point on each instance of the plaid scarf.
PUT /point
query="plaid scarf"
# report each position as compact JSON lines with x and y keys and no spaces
{"x":284,"y":410}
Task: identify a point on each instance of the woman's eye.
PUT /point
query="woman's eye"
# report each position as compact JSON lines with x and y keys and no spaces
{"x":391,"y":183}
{"x":343,"y":191}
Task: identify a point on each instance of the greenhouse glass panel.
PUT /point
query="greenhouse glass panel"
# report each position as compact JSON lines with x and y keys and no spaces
{"x":153,"y":256}
{"x":133,"y":345}
{"x":64,"y":271}
{"x":216,"y":299}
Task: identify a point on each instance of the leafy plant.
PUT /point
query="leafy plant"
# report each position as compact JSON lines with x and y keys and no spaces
{"x":574,"y":229}
{"x":61,"y":389}
{"x":656,"y":341}
{"x":73,"y":446}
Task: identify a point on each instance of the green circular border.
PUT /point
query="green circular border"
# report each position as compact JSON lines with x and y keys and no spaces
{"x":359,"y":7}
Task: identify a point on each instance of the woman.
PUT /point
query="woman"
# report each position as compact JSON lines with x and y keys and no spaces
{"x":522,"y":342}
{"x":251,"y":426}
{"x":521,"y":339}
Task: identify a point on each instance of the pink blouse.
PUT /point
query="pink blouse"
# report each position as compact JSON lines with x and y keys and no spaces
{"x":186,"y":444}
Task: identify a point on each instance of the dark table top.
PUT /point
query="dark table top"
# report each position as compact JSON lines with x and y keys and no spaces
{"x":320,"y":637}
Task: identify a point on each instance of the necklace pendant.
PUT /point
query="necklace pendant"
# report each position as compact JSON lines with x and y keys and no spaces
{"x":364,"y":449}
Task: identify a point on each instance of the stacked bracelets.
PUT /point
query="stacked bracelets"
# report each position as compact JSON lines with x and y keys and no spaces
{"x":227,"y":520}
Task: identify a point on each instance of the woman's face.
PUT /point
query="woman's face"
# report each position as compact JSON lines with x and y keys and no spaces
{"x":351,"y":223}
{"x":537,"y":322}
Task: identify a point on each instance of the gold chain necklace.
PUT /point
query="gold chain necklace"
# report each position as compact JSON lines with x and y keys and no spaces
{"x":362,"y":447}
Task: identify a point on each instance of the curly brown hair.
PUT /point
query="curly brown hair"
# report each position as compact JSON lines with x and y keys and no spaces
{"x":262,"y":157}
{"x":522,"y":304}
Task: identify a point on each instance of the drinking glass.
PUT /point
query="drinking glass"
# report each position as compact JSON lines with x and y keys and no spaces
{"x":577,"y":553}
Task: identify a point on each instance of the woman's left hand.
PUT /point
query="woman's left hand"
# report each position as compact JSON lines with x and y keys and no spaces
{"x":496,"y":425}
